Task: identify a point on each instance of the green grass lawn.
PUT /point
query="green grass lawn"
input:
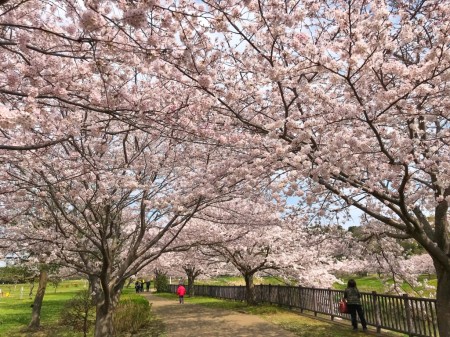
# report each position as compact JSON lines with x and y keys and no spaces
{"x":15,"y":311}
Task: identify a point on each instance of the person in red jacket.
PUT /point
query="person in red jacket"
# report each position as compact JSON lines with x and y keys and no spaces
{"x":181,"y":290}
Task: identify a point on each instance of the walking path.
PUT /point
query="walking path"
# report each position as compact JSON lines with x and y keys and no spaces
{"x":190,"y":320}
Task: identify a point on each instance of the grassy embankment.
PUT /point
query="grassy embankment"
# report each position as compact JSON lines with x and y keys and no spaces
{"x":365,"y":284}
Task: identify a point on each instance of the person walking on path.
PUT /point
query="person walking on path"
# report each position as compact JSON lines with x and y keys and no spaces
{"x":353,"y":299}
{"x":181,"y":291}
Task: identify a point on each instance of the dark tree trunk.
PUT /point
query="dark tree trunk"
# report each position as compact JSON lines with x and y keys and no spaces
{"x":37,"y":305}
{"x":442,"y":235}
{"x":95,"y":289}
{"x":249,"y":289}
{"x":104,"y":308}
{"x":191,"y":279}
{"x":443,"y":301}
{"x":104,"y":320}
{"x":106,"y":299}
{"x":191,"y":272}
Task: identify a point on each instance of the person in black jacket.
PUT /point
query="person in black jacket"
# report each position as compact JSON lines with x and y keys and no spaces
{"x":353,"y":299}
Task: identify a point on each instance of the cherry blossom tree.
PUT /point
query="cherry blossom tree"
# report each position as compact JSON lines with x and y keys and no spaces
{"x":188,"y":264}
{"x":220,"y":224}
{"x":100,"y":160}
{"x":343,"y":103}
{"x":253,"y":237}
{"x":193,"y":268}
{"x":349,"y":98}
{"x":273,"y":250}
{"x":372,"y":252}
{"x":108,"y":206}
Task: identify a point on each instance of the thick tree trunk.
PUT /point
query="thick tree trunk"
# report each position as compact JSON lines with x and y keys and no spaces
{"x":249,"y":289}
{"x":191,"y":273}
{"x":191,"y":279}
{"x":104,"y":321}
{"x":37,"y":305}
{"x":443,"y":301}
{"x":95,"y":290}
{"x":442,"y":235}
{"x":106,"y":299}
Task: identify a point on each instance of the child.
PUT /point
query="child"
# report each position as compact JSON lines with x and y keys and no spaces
{"x":181,"y":290}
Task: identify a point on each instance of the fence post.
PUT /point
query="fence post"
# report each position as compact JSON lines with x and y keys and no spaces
{"x":408,"y":314}
{"x":300,"y":299}
{"x":290,"y":297}
{"x":278,"y":296}
{"x":377,"y":310}
{"x":270,"y":297}
{"x":314,"y":301}
{"x":330,"y":297}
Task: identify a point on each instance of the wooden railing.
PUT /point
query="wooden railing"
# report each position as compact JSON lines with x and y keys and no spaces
{"x":410,"y":315}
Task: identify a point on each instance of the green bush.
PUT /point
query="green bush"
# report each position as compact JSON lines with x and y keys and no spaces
{"x":131,"y":315}
{"x":162,"y":283}
{"x":79,"y":312}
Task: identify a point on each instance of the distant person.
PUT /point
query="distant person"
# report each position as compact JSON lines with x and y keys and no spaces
{"x":137,"y":286}
{"x":353,"y":299}
{"x":147,"y":285}
{"x":142,"y":285}
{"x":181,"y":291}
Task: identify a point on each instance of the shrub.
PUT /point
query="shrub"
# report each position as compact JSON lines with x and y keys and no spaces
{"x":162,"y":283}
{"x":79,"y":312}
{"x":131,"y":315}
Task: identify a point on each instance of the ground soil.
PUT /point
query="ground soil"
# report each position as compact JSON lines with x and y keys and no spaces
{"x":190,"y":320}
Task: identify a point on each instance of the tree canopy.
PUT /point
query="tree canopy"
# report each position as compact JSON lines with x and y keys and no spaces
{"x":120,"y":120}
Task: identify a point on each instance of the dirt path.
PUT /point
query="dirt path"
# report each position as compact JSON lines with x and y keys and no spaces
{"x":190,"y":320}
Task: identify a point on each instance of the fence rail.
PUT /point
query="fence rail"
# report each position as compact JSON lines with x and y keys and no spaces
{"x":410,"y":315}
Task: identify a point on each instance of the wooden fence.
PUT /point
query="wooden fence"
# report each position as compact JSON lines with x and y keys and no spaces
{"x":410,"y":315}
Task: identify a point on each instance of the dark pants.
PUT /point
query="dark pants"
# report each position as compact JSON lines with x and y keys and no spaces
{"x":356,"y":308}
